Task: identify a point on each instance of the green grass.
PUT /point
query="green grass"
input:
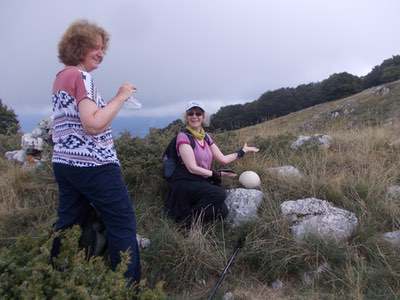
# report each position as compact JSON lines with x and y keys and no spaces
{"x":353,"y":174}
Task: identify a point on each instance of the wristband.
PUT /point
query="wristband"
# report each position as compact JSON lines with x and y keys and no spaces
{"x":216,"y":174}
{"x":240,"y":153}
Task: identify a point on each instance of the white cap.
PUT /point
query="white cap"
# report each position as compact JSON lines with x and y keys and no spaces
{"x":192,"y":104}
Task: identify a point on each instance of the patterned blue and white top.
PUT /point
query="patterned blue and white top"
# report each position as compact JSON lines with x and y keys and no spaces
{"x":72,"y":144}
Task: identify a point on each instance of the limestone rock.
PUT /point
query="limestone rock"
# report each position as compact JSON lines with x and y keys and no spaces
{"x":17,"y":155}
{"x":310,"y":276}
{"x":29,"y":142}
{"x":243,"y":204}
{"x":320,"y":218}
{"x":392,"y":237}
{"x":228,"y":296}
{"x":321,"y":140}
{"x":142,"y":241}
{"x":286,"y":172}
{"x":393,"y":192}
{"x":380,"y":90}
{"x":32,"y":144}
{"x":277,"y":284}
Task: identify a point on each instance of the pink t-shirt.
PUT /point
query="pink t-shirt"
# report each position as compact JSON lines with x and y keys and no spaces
{"x":202,"y":154}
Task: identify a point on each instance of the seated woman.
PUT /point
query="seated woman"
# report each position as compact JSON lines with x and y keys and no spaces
{"x":194,"y":186}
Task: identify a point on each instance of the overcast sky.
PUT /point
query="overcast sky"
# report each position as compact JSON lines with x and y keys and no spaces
{"x":217,"y":51}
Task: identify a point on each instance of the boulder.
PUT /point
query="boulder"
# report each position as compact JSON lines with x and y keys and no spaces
{"x":16,"y":155}
{"x":286,"y":172}
{"x":319,"y":218}
{"x":243,"y":204}
{"x":321,"y":140}
{"x":29,"y":142}
{"x":380,"y":90}
{"x":32,"y":145}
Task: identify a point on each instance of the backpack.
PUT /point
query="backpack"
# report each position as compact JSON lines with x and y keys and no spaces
{"x":93,"y":235}
{"x":170,"y":157}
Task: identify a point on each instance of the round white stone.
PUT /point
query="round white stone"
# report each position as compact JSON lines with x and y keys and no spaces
{"x":249,"y":179}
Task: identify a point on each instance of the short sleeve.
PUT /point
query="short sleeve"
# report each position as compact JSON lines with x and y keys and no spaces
{"x":182,"y":138}
{"x":72,"y":81}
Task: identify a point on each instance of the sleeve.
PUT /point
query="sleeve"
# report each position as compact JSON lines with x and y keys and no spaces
{"x":84,"y":87}
{"x":72,"y":81}
{"x":181,"y":139}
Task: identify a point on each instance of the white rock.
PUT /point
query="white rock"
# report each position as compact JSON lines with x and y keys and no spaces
{"x":286,"y":172}
{"x":322,"y":140}
{"x":142,"y":241}
{"x":310,"y":276}
{"x":17,"y":155}
{"x":29,"y":142}
{"x":228,"y":296}
{"x":242,"y":205}
{"x":393,"y":192}
{"x":36,"y":132}
{"x":277,"y":284}
{"x":320,"y":218}
{"x":380,"y":90}
{"x":249,"y":179}
{"x":392,"y":237}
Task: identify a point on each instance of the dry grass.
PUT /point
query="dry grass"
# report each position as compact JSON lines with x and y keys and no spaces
{"x":353,"y":174}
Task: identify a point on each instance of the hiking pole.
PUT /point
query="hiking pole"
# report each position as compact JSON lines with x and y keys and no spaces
{"x":239,"y":245}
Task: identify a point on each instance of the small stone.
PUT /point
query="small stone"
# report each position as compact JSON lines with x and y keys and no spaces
{"x":277,"y":284}
{"x":393,"y":192}
{"x":142,"y":241}
{"x":228,"y":296}
{"x":392,"y":237}
{"x":286,"y":172}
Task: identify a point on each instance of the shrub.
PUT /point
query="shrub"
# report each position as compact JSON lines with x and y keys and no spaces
{"x":26,"y":273}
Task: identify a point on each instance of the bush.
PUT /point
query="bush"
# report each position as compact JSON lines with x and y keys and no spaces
{"x":27,"y":274}
{"x":8,"y":120}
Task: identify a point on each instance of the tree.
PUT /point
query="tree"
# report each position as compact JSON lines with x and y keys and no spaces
{"x":8,"y":120}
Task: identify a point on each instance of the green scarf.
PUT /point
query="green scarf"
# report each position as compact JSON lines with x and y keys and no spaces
{"x":200,"y":135}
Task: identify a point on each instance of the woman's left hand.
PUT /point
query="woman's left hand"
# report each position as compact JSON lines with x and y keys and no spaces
{"x":249,"y":148}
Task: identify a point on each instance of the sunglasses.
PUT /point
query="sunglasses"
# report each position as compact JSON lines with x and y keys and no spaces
{"x":197,"y":113}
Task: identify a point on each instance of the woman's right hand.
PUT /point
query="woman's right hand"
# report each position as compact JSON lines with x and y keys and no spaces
{"x":125,"y":91}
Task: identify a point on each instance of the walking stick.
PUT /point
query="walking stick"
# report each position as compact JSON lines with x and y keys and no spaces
{"x":239,"y":245}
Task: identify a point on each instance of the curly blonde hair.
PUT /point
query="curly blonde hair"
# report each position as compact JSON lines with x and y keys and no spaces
{"x":78,"y":39}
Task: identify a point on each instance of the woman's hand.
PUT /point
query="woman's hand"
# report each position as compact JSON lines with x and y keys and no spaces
{"x":249,"y":148}
{"x":125,"y":91}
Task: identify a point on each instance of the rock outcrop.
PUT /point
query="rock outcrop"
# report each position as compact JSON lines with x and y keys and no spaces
{"x":243,"y":204}
{"x":321,"y":140}
{"x":319,"y":218}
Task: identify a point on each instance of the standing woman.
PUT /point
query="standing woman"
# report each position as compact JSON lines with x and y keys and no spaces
{"x":194,"y":187}
{"x":84,"y":159}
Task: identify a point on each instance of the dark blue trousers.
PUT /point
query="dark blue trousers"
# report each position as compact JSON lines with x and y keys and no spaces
{"x":102,"y":187}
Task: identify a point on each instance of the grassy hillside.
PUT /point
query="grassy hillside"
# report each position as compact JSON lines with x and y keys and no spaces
{"x":353,"y":174}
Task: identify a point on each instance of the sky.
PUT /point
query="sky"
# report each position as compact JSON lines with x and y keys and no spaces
{"x":219,"y":52}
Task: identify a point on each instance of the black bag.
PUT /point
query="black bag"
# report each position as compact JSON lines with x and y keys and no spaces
{"x":170,"y":157}
{"x":93,"y":235}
